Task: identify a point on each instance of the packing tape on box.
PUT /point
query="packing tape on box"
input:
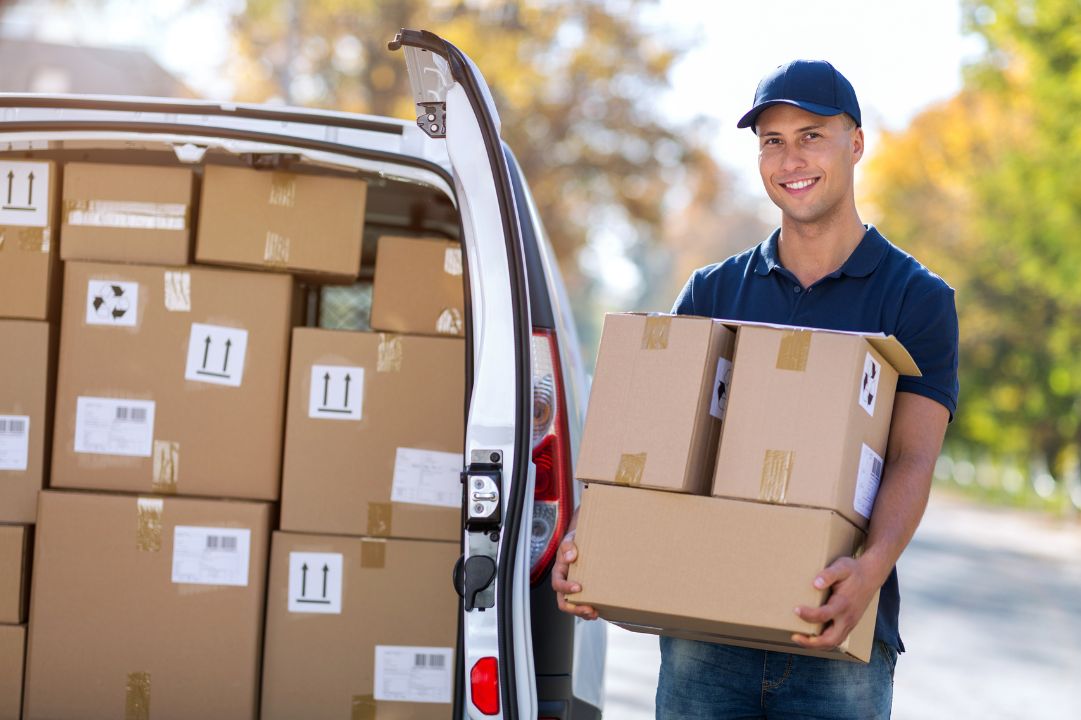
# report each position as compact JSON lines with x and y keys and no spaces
{"x":655,"y":334}
{"x":126,"y":214}
{"x":452,"y":261}
{"x":137,"y":696}
{"x":795,"y":347}
{"x":630,"y":470}
{"x":177,"y":284}
{"x":449,"y":322}
{"x":276,"y":250}
{"x":390,"y":353}
{"x":166,"y":466}
{"x":283,"y":190}
{"x":364,"y":707}
{"x":373,"y":553}
{"x":776,"y":472}
{"x":379,"y":519}
{"x":148,"y":512}
{"x":26,"y":239}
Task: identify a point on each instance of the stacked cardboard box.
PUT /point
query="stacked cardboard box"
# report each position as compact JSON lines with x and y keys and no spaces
{"x":418,"y":286}
{"x":161,"y":597}
{"x":361,"y":622}
{"x":172,"y":380}
{"x":15,"y":548}
{"x":793,"y":471}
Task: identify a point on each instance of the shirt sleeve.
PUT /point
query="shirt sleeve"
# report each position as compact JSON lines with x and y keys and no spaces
{"x":927,"y":327}
{"x":685,"y":301}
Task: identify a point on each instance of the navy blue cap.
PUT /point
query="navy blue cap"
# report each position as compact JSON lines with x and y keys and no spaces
{"x":813,"y":85}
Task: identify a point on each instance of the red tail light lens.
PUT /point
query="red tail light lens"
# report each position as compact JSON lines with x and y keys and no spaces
{"x":484,"y":685}
{"x":551,"y":455}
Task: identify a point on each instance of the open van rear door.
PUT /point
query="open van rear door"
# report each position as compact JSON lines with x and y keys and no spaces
{"x":496,"y":677}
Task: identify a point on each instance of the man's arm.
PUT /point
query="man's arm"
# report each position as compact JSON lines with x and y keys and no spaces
{"x":916,"y":433}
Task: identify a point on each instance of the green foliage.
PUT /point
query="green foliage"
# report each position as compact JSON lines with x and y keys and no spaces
{"x":984,"y":189}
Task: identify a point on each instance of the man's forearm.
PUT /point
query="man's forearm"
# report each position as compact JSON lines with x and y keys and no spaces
{"x":902,"y":499}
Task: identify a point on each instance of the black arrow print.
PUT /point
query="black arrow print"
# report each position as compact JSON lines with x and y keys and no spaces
{"x":326,"y":388}
{"x":870,"y":398}
{"x":206,"y":351}
{"x":225,"y":363}
{"x":304,"y":579}
{"x":30,"y":190}
{"x":11,"y":183}
{"x":118,"y":313}
{"x":325,"y":571}
{"x":98,"y":302}
{"x":118,"y":291}
{"x":866,"y":377}
{"x":874,"y":370}
{"x":347,"y":379}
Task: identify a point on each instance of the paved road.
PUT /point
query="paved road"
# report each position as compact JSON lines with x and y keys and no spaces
{"x":991,"y":615}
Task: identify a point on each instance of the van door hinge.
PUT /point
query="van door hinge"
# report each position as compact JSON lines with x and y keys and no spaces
{"x":433,"y":121}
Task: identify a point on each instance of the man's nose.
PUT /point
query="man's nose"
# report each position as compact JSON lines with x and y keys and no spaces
{"x":792,"y":158}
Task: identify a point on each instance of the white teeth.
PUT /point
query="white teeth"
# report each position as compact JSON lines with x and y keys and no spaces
{"x":799,"y":184}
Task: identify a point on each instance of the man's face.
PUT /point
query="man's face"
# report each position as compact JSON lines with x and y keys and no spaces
{"x":807,"y":161}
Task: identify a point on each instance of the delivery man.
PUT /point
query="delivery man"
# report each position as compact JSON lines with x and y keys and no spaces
{"x":822,"y":268}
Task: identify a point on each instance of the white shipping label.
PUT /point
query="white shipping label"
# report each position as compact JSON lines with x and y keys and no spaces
{"x":413,"y":674}
{"x":452,"y":261}
{"x":721,"y":382}
{"x":24,"y":194}
{"x":427,"y":477}
{"x":211,"y":555}
{"x":14,"y":442}
{"x":868,"y":478}
{"x":216,"y":354}
{"x":315,"y":583}
{"x":109,"y":302}
{"x":872,"y":371}
{"x":177,"y":291}
{"x":337,"y":392}
{"x":110,"y":426}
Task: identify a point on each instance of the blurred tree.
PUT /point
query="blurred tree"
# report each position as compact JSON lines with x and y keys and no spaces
{"x":984,"y":189}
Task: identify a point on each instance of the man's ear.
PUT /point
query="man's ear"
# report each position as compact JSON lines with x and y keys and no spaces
{"x":857,"y":145}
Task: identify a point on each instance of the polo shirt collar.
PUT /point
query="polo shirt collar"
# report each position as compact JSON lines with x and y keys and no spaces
{"x":861,"y":263}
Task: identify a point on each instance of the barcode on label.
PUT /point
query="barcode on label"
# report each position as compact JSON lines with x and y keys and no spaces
{"x":11,"y":426}
{"x":425,"y":660}
{"x":130,"y":414}
{"x":221,"y":542}
{"x":876,"y":469}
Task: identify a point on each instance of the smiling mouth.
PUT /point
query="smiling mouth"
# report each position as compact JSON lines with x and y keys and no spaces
{"x":799,"y":184}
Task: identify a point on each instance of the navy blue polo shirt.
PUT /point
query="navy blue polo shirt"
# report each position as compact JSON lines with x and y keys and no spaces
{"x":879,"y":288}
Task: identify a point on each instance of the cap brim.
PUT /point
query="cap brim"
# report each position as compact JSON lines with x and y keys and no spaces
{"x":749,"y":119}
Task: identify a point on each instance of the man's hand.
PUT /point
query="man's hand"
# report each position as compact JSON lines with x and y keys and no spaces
{"x":853,"y":588}
{"x":568,"y":553}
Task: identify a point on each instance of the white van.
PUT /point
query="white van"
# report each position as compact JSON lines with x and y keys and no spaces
{"x":450,"y":174}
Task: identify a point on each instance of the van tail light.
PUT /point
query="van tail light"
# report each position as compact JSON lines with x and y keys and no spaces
{"x":484,"y":685}
{"x":551,"y":455}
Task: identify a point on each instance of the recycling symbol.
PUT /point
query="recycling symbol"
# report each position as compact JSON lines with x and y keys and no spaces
{"x":112,"y":303}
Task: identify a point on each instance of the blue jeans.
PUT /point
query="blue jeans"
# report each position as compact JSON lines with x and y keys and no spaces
{"x":706,"y":681}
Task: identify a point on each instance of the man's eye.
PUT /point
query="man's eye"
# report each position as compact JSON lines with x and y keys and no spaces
{"x":812,"y":136}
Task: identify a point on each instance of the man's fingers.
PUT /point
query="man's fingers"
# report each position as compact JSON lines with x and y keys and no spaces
{"x":568,"y":551}
{"x":837,"y":605}
{"x":835,"y":573}
{"x":833,"y":636}
{"x":565,"y":586}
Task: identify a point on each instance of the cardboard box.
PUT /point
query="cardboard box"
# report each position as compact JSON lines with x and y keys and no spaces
{"x":146,"y":608}
{"x":374,"y":435}
{"x":418,"y":286}
{"x":657,"y":402}
{"x":12,"y":656}
{"x":28,"y":359}
{"x":14,"y":573}
{"x":305,"y":224}
{"x":29,"y":266}
{"x":809,"y":417}
{"x":172,"y":380}
{"x":127,"y":213}
{"x":711,"y":569}
{"x":378,"y":643}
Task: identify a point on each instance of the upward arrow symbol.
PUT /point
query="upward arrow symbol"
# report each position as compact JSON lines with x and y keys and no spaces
{"x":325,"y":571}
{"x":30,"y":190}
{"x":206,"y":351}
{"x":347,"y":379}
{"x":303,"y":579}
{"x":326,"y":387}
{"x":225,"y":363}
{"x":11,"y":182}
